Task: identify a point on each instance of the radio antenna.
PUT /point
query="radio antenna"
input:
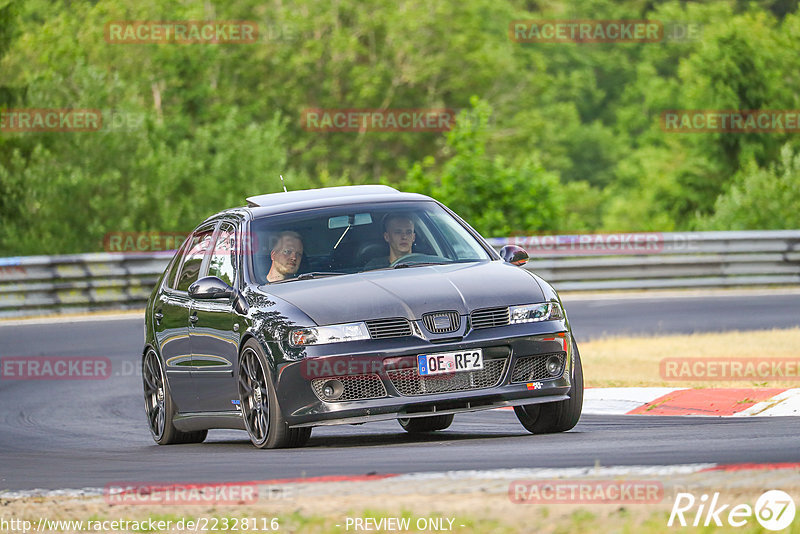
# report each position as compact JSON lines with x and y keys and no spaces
{"x":283,"y":184}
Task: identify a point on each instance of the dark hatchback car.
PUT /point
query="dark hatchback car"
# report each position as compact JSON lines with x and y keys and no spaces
{"x":353,"y":327}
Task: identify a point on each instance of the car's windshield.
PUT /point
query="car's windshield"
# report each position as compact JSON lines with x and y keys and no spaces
{"x":358,"y":238}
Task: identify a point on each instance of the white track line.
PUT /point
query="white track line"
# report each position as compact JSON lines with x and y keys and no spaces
{"x":619,"y":401}
{"x":783,"y":404}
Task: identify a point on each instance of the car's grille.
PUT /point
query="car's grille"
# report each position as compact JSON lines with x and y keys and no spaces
{"x":442,"y":322}
{"x":529,"y":368}
{"x":409,"y":383}
{"x":490,"y":317}
{"x":386,"y":328}
{"x":355,"y":387}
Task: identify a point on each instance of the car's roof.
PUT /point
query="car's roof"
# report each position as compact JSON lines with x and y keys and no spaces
{"x":273,"y":203}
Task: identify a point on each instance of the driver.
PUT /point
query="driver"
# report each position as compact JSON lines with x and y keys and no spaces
{"x":398,"y":232}
{"x":286,"y":256}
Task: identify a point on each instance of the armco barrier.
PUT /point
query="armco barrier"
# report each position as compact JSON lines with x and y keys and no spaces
{"x":668,"y":260}
{"x":53,"y":284}
{"x":79,"y":282}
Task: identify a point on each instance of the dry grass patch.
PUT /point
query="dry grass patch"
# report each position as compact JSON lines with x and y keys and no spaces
{"x":634,"y":361}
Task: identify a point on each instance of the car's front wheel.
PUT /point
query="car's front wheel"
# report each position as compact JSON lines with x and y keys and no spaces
{"x":159,"y":407}
{"x":260,"y":408}
{"x":426,"y":424}
{"x":556,"y":416}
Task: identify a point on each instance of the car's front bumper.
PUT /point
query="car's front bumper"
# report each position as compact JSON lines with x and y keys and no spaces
{"x":400,"y":398}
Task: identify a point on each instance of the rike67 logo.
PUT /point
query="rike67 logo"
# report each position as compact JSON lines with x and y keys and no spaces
{"x":774,"y":510}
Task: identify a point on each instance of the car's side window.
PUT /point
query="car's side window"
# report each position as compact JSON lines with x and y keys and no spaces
{"x":222,"y":263}
{"x":193,"y":260}
{"x":175,"y":263}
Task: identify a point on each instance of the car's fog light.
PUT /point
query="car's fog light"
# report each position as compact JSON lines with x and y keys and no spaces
{"x":554,"y":365}
{"x":332,"y":389}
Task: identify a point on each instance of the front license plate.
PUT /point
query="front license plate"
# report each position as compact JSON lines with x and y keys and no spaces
{"x":450,"y":362}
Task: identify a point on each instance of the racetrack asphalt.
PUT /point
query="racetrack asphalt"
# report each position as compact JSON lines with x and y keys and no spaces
{"x":89,"y":433}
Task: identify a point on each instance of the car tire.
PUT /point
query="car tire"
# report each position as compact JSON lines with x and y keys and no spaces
{"x":556,"y":416}
{"x":158,"y":405}
{"x":261,"y":410}
{"x":426,"y":424}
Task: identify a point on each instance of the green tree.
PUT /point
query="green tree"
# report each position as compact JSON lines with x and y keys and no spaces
{"x":761,"y":198}
{"x":573,"y":142}
{"x":497,"y":198}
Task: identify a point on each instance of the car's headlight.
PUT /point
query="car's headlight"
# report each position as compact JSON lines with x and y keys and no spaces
{"x":335,"y":333}
{"x":533,"y":313}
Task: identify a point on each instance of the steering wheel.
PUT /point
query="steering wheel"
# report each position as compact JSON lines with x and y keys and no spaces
{"x":415,"y":256}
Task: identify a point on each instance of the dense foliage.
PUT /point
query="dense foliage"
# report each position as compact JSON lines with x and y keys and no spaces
{"x":551,"y":136}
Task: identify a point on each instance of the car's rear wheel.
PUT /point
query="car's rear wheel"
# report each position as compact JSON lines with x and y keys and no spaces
{"x":159,"y":407}
{"x":426,"y":424}
{"x":260,"y":408}
{"x":556,"y":416}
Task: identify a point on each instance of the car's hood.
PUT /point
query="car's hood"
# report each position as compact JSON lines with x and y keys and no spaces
{"x":409,"y":292}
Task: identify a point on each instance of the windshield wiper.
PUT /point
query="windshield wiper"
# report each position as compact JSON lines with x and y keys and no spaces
{"x":417,"y":264}
{"x":316,"y":274}
{"x":308,"y":276}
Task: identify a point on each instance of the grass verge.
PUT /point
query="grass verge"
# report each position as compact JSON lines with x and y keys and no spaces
{"x":635,"y":361}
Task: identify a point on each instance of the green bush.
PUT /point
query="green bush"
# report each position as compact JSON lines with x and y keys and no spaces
{"x":762,"y":198}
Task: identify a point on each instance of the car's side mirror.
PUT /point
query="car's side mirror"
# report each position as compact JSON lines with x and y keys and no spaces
{"x":514,"y":254}
{"x":210,"y":287}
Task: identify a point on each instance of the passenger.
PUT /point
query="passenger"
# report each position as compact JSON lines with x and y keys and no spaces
{"x":286,"y":256}
{"x":398,"y":232}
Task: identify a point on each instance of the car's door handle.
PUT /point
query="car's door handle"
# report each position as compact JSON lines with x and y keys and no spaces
{"x":158,"y":316}
{"x":193,"y":319}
